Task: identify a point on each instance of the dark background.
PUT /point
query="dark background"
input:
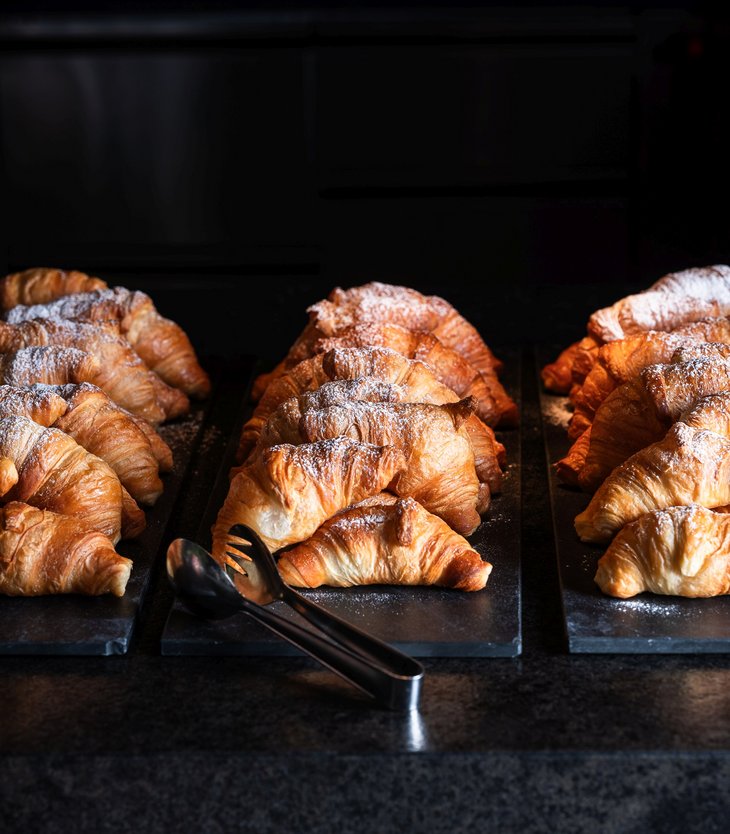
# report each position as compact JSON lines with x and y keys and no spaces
{"x":530,"y":163}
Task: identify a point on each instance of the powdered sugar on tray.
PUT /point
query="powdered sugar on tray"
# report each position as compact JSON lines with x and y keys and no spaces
{"x":557,"y":411}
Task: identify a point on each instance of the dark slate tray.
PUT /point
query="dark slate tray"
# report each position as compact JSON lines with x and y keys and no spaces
{"x":78,"y":625}
{"x":425,"y":622}
{"x":594,"y":622}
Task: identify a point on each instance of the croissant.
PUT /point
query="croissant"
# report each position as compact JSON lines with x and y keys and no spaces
{"x":495,"y":407}
{"x":283,"y":425}
{"x":108,"y":432}
{"x":416,"y":378}
{"x":57,"y":474}
{"x":440,"y":471}
{"x":40,"y":403}
{"x":570,"y":467}
{"x":50,"y":365}
{"x":387,"y":541}
{"x":41,"y":285}
{"x":384,"y":302}
{"x":687,"y":466}
{"x":683,"y":551}
{"x":571,"y":367}
{"x":620,"y":361}
{"x":45,"y":553}
{"x":159,"y":342}
{"x":675,"y":299}
{"x":286,"y":492}
{"x":639,"y":412}
{"x":121,"y":373}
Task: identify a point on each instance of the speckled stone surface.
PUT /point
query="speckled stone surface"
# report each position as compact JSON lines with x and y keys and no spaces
{"x":543,"y":743}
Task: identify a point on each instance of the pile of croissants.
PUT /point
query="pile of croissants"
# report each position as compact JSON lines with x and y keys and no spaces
{"x":371,"y":452}
{"x":650,"y":388}
{"x":86,"y":374}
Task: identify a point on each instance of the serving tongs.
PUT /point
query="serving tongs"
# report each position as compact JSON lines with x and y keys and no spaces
{"x":250,"y":581}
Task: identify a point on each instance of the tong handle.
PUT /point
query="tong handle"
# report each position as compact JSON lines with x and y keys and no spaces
{"x":392,"y":678}
{"x":399,"y":668}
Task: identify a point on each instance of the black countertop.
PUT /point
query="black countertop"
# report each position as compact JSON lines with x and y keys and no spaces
{"x":543,"y":742}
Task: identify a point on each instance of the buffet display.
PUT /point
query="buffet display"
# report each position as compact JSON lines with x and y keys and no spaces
{"x":87,"y":375}
{"x":371,"y":452}
{"x":649,"y":387}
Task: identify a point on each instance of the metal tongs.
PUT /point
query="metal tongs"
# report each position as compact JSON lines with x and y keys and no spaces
{"x":251,"y":581}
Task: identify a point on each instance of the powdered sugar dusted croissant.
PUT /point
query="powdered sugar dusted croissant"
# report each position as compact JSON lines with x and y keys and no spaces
{"x":57,"y":474}
{"x":383,"y":364}
{"x":377,"y":302}
{"x":43,"y":284}
{"x":494,"y":405}
{"x":286,"y":492}
{"x":439,"y":471}
{"x":85,"y":413}
{"x":416,"y":380}
{"x":621,"y":361}
{"x":639,"y":412}
{"x":121,"y":373}
{"x":385,"y":541}
{"x":675,"y":299}
{"x":283,"y":425}
{"x":688,"y":466}
{"x":45,"y":553}
{"x":51,"y":365}
{"x":159,"y":342}
{"x":108,"y":432}
{"x":683,"y":551}
{"x":40,"y":403}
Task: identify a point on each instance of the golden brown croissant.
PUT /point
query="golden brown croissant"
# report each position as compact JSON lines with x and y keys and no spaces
{"x":416,"y":378}
{"x":688,"y":466}
{"x":57,"y":474}
{"x":386,"y":541}
{"x":376,"y":302}
{"x":42,"y":552}
{"x":676,"y":299}
{"x":41,"y":285}
{"x":49,"y":365}
{"x":121,"y":373}
{"x":570,"y":467}
{"x":40,"y":403}
{"x":571,"y":367}
{"x":286,"y":492}
{"x":105,"y":430}
{"x":620,"y":361}
{"x":440,"y":471}
{"x":495,"y":406}
{"x":639,"y":412}
{"x":283,"y":425}
{"x":159,"y":342}
{"x":683,"y":551}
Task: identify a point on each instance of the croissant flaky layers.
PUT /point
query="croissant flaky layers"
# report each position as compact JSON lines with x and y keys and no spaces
{"x":385,"y":540}
{"x":683,"y":551}
{"x":86,"y":373}
{"x":385,"y":389}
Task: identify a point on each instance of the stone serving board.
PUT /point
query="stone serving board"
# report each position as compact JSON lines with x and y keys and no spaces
{"x":424,"y":622}
{"x":72,"y":624}
{"x":594,"y":622}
